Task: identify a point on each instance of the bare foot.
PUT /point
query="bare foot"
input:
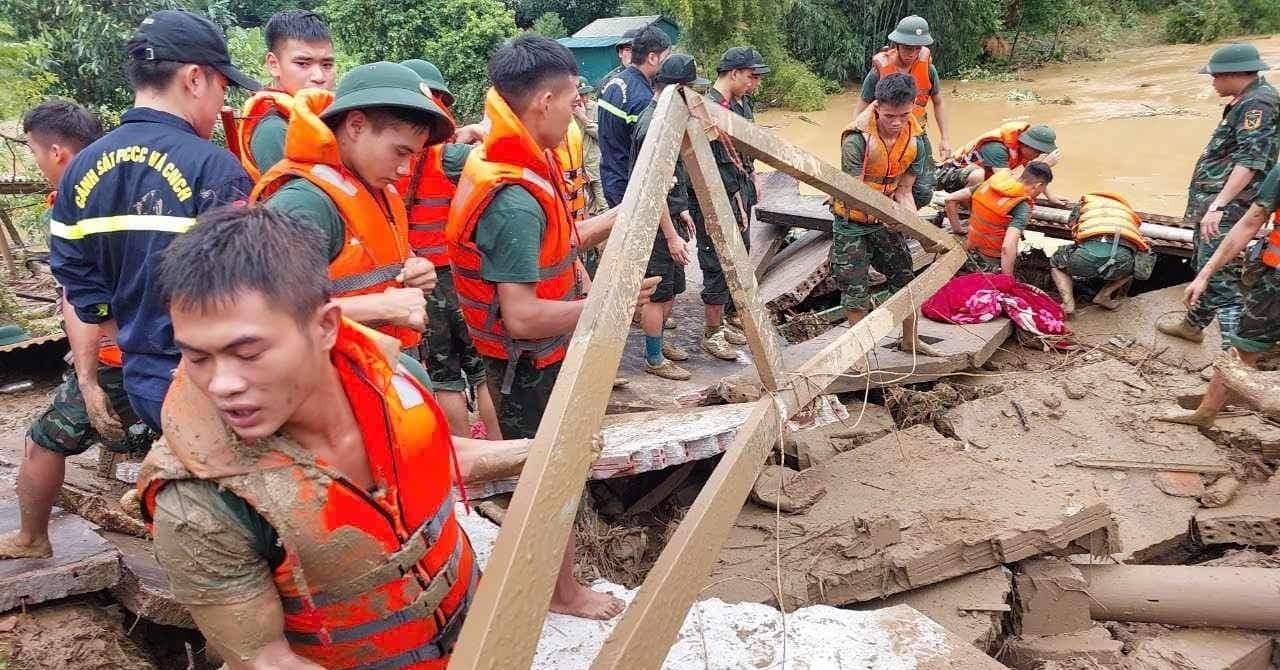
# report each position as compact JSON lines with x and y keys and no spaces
{"x":587,"y":603}
{"x":12,"y":545}
{"x":1069,"y":308}
{"x":919,"y":348}
{"x":1107,"y":303}
{"x":1198,"y":418}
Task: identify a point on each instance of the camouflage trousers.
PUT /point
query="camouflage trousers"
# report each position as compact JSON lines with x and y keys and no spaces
{"x":1081,"y":262}
{"x":446,"y":350}
{"x":715,"y":288}
{"x":64,"y":428}
{"x":520,"y":410}
{"x":853,"y":255}
{"x":1259,"y":326}
{"x":1223,"y":297}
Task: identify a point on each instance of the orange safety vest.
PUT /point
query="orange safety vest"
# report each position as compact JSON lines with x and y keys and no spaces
{"x":510,"y":156}
{"x":108,"y":351}
{"x":376,"y":231}
{"x":380,"y":579}
{"x":886,"y":63}
{"x":570,"y":157}
{"x":989,"y":212}
{"x":258,"y":107}
{"x":430,"y":193}
{"x":1103,"y":213}
{"x":1006,"y":134}
{"x":882,"y":165}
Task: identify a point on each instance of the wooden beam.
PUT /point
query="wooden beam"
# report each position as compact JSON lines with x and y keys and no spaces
{"x":644,"y":634}
{"x":722,"y":227}
{"x":506,"y":617}
{"x":766,"y":147}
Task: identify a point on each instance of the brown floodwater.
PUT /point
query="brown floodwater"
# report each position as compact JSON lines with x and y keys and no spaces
{"x":1134,"y":123}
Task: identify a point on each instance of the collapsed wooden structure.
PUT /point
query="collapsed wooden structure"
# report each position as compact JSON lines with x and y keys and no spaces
{"x":507,"y":615}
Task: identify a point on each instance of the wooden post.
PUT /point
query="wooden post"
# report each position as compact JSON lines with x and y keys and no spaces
{"x":505,"y":619}
{"x":722,"y":227}
{"x":5,"y":251}
{"x":642,"y":638}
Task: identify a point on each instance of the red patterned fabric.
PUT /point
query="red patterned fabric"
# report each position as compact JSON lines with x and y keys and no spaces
{"x":983,"y":296}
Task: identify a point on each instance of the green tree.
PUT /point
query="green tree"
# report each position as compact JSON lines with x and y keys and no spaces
{"x":83,"y":44}
{"x":456,"y":35}
{"x":254,"y":13}
{"x":549,"y":25}
{"x":22,"y":82}
{"x":574,"y":13}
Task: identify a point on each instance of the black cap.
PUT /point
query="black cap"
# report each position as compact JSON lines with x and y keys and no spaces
{"x":742,"y":58}
{"x":627,"y":37}
{"x":186,"y":37}
{"x":679,"y":69}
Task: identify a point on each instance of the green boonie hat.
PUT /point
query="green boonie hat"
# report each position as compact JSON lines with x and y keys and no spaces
{"x":1040,"y":138}
{"x":585,"y":87}
{"x":912,"y":31}
{"x":386,"y":84}
{"x":12,"y":334}
{"x":1235,"y":57}
{"x":430,"y":74}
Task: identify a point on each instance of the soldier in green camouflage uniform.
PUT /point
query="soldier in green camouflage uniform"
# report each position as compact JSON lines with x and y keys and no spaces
{"x":1225,"y":181}
{"x":856,"y":246}
{"x":1259,"y":327}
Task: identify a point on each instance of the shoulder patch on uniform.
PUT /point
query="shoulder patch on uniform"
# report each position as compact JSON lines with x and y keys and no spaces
{"x":1252,"y":119}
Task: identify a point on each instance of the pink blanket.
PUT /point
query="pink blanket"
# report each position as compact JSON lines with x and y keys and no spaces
{"x":982,"y":296}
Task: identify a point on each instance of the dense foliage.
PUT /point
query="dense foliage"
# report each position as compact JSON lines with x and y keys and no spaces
{"x":456,"y":35}
{"x":1208,"y":20}
{"x":549,"y":25}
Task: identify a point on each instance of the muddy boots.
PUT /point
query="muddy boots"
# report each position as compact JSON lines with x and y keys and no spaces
{"x":717,"y":344}
{"x":1066,"y":288}
{"x":1182,"y":329}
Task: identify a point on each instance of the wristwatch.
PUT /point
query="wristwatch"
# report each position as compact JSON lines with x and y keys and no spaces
{"x":1215,"y":207}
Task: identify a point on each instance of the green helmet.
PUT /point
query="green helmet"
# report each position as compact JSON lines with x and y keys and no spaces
{"x":430,"y":74}
{"x":1040,"y":138}
{"x":912,"y":31}
{"x":1237,"y":57}
{"x":386,"y":84}
{"x":585,"y":87}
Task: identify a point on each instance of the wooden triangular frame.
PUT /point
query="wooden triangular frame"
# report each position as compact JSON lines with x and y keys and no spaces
{"x":506,"y":617}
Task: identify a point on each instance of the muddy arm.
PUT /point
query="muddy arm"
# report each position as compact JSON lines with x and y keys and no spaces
{"x":1258,"y":389}
{"x":250,"y":635}
{"x":487,"y":460}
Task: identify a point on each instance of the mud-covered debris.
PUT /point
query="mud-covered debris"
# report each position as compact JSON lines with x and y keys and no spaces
{"x":787,"y":490}
{"x":1220,"y":492}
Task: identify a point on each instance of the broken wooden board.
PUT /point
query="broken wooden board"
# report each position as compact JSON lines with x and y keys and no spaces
{"x":143,"y":588}
{"x":792,"y":278}
{"x":1252,"y":518}
{"x":950,"y":512}
{"x":1250,"y":433}
{"x":1113,"y":421}
{"x":767,"y":240}
{"x":966,"y":346}
{"x":82,"y":562}
{"x":952,"y":605}
{"x":1202,"y":649}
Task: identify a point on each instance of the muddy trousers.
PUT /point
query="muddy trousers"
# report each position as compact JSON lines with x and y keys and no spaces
{"x":1223,"y":297}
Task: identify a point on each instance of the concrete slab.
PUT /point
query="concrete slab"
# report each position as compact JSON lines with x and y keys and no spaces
{"x":966,"y":346}
{"x":1052,"y":598}
{"x":1203,"y":649}
{"x":1137,"y":319}
{"x":1030,"y":653}
{"x":971,"y":607}
{"x":1112,"y":421}
{"x":143,"y":587}
{"x":949,"y":510}
{"x":82,"y":562}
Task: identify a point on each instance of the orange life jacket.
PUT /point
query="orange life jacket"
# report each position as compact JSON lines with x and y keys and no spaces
{"x":258,"y":107}
{"x":1007,"y":134}
{"x":430,"y":193}
{"x":989,"y":212}
{"x":376,"y":231}
{"x":380,"y":579}
{"x":510,"y":156}
{"x":108,"y":351}
{"x":886,"y":63}
{"x":1103,"y":213}
{"x":570,"y":157}
{"x":882,"y":165}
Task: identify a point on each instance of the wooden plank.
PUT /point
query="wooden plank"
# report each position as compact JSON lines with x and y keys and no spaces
{"x":505,"y":619}
{"x":723,"y":230}
{"x":5,"y":251}
{"x":1109,"y":464}
{"x":766,"y":241}
{"x":784,"y":156}
{"x":647,"y":628}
